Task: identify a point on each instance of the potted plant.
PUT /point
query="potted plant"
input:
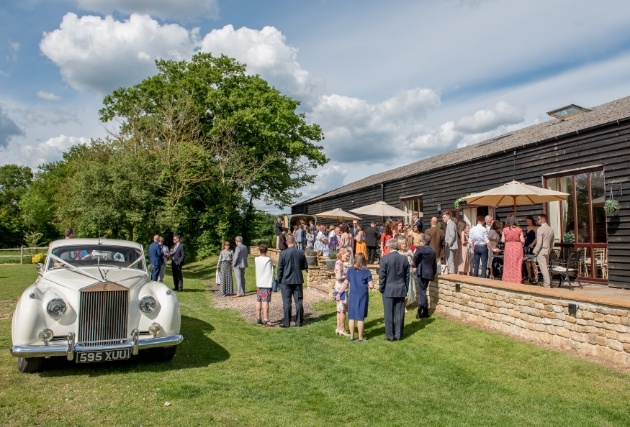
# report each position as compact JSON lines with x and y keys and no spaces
{"x":611,"y":206}
{"x":332,"y":259}
{"x":311,"y":257}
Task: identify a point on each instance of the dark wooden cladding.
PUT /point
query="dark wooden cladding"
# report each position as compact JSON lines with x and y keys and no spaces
{"x":607,"y":147}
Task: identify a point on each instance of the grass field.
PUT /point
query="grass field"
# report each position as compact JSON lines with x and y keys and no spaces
{"x":229,"y":373}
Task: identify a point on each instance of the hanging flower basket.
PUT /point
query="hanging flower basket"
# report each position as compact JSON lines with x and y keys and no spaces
{"x":458,"y":202}
{"x":611,"y":206}
{"x":569,"y":237}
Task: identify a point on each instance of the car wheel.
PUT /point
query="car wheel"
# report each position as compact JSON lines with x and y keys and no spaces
{"x":163,"y":354}
{"x":30,"y":364}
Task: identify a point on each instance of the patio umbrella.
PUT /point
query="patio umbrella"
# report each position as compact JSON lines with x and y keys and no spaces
{"x":515,"y":194}
{"x":337,"y":214}
{"x":381,"y":209}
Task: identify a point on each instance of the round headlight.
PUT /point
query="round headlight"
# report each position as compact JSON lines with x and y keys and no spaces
{"x":148,"y":304}
{"x":56,"y":307}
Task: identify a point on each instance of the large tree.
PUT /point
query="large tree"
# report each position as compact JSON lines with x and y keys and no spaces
{"x":205,"y":120}
{"x":194,"y":147}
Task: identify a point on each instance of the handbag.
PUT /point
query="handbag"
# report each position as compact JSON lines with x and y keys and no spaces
{"x":274,"y":285}
{"x":217,"y":278}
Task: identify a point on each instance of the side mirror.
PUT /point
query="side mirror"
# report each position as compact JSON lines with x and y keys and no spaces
{"x":39,"y":266}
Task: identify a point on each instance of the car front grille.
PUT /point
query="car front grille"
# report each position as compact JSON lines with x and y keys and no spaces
{"x":103,"y":310}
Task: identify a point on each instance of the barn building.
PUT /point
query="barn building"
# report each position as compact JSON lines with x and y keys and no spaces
{"x":583,"y":152}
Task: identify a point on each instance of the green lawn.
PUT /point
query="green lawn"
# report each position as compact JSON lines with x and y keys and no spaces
{"x":228,"y":373}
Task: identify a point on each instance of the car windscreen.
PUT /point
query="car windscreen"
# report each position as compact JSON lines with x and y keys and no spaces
{"x":96,"y":255}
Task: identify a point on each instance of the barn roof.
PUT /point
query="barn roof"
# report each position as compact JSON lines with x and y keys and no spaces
{"x":601,"y":115}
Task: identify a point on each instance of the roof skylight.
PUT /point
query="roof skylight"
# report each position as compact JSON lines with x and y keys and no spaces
{"x":568,"y":112}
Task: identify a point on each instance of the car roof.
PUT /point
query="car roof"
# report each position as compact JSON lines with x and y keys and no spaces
{"x":89,"y":242}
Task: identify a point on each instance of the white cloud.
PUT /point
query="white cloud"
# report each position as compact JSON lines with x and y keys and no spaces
{"x":357,"y":131}
{"x":50,"y":150}
{"x":102,"y":54}
{"x":164,"y":9}
{"x":48,"y":96}
{"x":329,"y":177}
{"x":8,"y":128}
{"x":266,"y":53}
{"x":484,"y":120}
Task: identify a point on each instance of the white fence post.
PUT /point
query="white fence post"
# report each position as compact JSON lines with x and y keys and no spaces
{"x":21,"y":254}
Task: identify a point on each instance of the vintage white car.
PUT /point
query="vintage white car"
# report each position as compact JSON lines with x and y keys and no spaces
{"x":94,"y":302}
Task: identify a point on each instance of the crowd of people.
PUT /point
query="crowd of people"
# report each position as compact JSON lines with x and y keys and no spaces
{"x":398,"y":248}
{"x":408,"y":257}
{"x":497,"y":249}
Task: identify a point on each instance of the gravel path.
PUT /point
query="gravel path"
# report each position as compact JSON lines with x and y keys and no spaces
{"x":247,"y":305}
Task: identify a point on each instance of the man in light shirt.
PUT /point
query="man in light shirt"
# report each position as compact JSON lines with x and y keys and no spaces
{"x":488,"y":220}
{"x":478,"y":239}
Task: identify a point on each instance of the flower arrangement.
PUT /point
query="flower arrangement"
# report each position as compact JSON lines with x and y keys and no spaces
{"x":611,"y":206}
{"x":569,"y":237}
{"x":332,"y":255}
{"x":38,"y":258}
{"x":311,"y":252}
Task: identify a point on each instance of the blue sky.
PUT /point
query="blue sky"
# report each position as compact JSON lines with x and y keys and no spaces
{"x":389,"y":82}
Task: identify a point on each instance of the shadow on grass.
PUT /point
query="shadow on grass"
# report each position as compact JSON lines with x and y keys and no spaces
{"x":200,"y":271}
{"x":410,"y":329}
{"x":310,"y":318}
{"x":196,"y":350}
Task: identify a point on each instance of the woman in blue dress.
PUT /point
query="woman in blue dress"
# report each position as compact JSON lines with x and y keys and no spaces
{"x":359,"y":279}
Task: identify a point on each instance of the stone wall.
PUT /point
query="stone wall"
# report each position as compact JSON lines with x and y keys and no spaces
{"x":596,"y":329}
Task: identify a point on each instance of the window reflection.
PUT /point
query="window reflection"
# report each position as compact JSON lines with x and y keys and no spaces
{"x":580,"y":221}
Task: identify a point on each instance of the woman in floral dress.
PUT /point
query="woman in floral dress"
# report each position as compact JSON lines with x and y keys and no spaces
{"x":513,"y":253}
{"x":224,"y":266}
{"x":341,"y":296}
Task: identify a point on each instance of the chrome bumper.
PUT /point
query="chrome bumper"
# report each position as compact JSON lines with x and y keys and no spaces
{"x":70,"y":348}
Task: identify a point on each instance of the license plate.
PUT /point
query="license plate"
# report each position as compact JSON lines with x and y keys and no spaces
{"x":103,"y":356}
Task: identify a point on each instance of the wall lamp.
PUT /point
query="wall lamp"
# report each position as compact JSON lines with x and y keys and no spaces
{"x":572,"y":309}
{"x":458,"y":287}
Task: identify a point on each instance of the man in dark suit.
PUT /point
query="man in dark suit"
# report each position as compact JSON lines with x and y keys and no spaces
{"x":417,"y":221}
{"x":426,"y":268}
{"x":291,"y":263}
{"x":155,"y":258}
{"x":279,"y":229}
{"x":239,"y":261}
{"x":393,"y":278}
{"x":372,"y":238}
{"x":177,"y":256}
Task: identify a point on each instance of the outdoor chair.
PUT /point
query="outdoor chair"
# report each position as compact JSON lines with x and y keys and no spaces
{"x":566,"y":271}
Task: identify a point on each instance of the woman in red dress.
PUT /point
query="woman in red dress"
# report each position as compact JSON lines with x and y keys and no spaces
{"x":387,"y":234}
{"x":513,"y":254}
